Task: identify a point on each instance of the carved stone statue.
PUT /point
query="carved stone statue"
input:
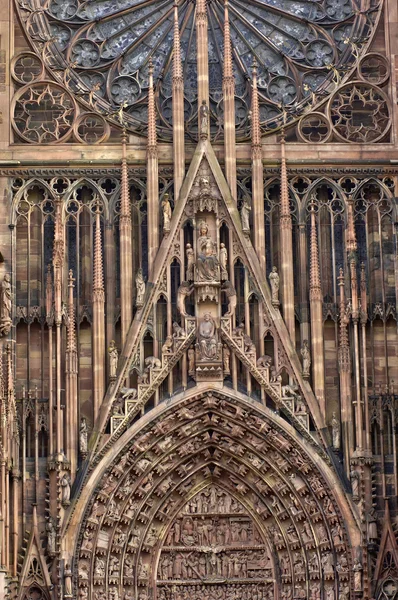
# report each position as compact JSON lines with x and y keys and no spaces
{"x":191,"y":361}
{"x":83,"y":436}
{"x":152,"y":362}
{"x":264,"y":362}
{"x":354,"y":477}
{"x":204,"y":119}
{"x":226,"y":355}
{"x":51,"y":537}
{"x":140,"y":288}
{"x":167,"y":347}
{"x":335,"y":432}
{"x":207,"y":341}
{"x":68,"y":581}
{"x":113,"y":359}
{"x":357,"y":569}
{"x":245,"y":213}
{"x":184,"y":290}
{"x":274,"y":283}
{"x":372,"y":525}
{"x":190,"y":262}
{"x":223,"y":262}
{"x":207,"y":263}
{"x":306,"y":356}
{"x":65,"y":485}
{"x":6,"y":305}
{"x":167,"y":212}
{"x":230,"y":292}
{"x":178,"y":331}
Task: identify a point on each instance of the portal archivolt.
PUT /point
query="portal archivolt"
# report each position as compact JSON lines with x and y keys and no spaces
{"x":214,"y":498}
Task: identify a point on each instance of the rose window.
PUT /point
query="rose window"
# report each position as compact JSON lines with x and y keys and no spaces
{"x":100,"y":50}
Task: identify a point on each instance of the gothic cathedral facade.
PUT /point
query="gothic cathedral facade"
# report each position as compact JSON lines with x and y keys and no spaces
{"x":198,"y":300}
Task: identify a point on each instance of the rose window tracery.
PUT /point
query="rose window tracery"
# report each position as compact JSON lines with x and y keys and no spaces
{"x":101,"y":50}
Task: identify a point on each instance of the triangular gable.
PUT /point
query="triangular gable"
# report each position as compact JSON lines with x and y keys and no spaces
{"x":203,"y":152}
{"x":34,"y":570}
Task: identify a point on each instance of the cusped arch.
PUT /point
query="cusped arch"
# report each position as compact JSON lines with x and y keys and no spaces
{"x":94,"y":187}
{"x":307,"y":198}
{"x":226,"y":439}
{"x":31,"y":183}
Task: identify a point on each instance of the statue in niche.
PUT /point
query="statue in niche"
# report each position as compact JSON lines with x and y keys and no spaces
{"x":167,"y":212}
{"x":140,"y":288}
{"x":207,"y":263}
{"x":68,"y":593}
{"x":83,"y":436}
{"x":191,"y":361}
{"x":354,"y":477}
{"x":335,"y":432}
{"x":65,"y":485}
{"x":184,"y":291}
{"x":226,"y":355}
{"x":204,"y":119}
{"x":274,"y":283}
{"x":51,"y":537}
{"x":113,"y":359}
{"x":6,"y":305}
{"x":357,"y":569}
{"x":230,"y":292}
{"x":207,"y":341}
{"x":372,"y":525}
{"x":223,"y":262}
{"x":305,"y":354}
{"x":245,"y":213}
{"x":190,"y":262}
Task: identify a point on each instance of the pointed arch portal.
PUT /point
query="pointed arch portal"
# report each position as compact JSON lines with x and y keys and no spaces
{"x":212,"y":496}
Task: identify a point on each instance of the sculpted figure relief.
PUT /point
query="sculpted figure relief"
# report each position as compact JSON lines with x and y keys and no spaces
{"x":6,"y":305}
{"x":167,"y":212}
{"x":207,"y":340}
{"x":207,"y":263}
{"x":230,"y":292}
{"x":274,"y":283}
{"x":65,"y":485}
{"x":204,"y":119}
{"x":51,"y":537}
{"x":245,"y":214}
{"x":68,"y":592}
{"x":305,"y":354}
{"x":191,"y":361}
{"x":113,"y":359}
{"x":83,"y":434}
{"x":190,"y":262}
{"x":335,"y":432}
{"x":223,"y":262}
{"x":140,"y":288}
{"x":184,"y":291}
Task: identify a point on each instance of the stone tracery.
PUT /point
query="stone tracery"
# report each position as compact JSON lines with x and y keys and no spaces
{"x":103,"y":50}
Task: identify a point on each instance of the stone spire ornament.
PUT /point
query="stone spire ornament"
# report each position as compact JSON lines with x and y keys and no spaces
{"x":178,"y":109}
{"x":285,"y":225}
{"x":202,"y":51}
{"x":71,"y":384}
{"x":126,"y":275}
{"x":257,"y":173}
{"x":152,"y":174}
{"x":98,"y":316}
{"x":229,"y":107}
{"x":316,"y":301}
